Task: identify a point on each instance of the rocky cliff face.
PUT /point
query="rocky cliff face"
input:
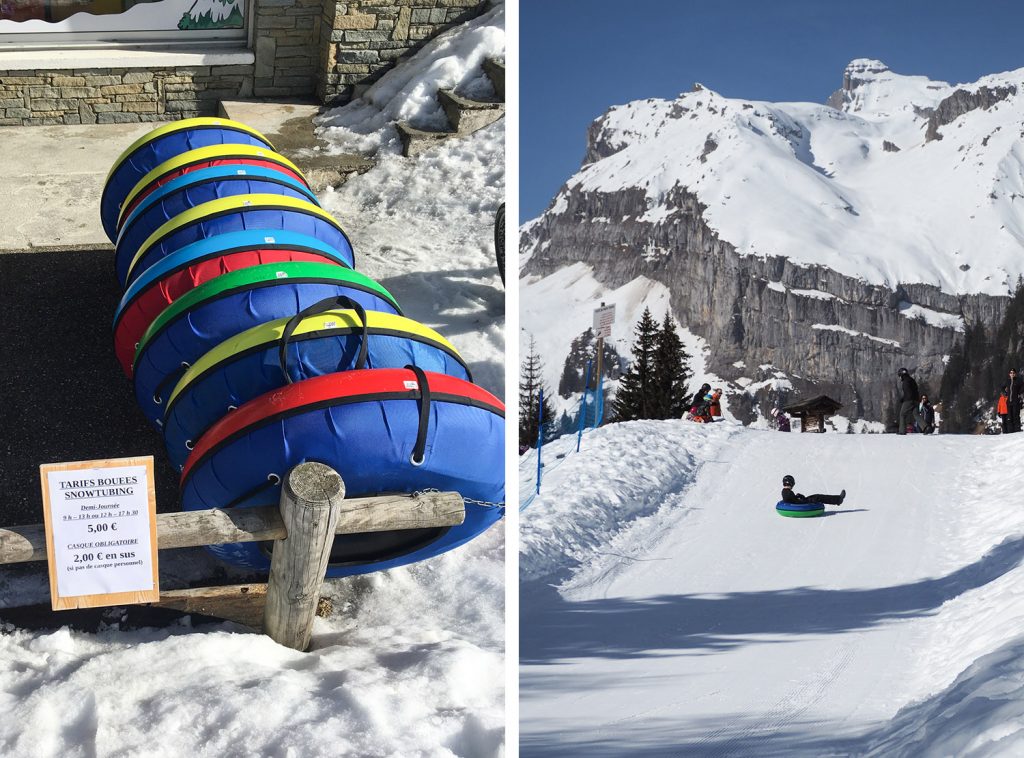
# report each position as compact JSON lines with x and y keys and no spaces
{"x":827,"y":332}
{"x":827,"y":246}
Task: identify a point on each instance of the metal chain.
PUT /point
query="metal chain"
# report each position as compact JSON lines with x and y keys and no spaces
{"x":481,"y":503}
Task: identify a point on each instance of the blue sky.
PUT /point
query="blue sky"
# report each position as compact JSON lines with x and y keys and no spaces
{"x":579,"y":57}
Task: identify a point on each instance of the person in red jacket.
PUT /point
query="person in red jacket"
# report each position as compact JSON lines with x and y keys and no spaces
{"x":715,"y":406}
{"x":789,"y":496}
{"x":1003,"y":409}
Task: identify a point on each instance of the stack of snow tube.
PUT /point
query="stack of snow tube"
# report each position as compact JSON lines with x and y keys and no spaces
{"x":254,"y":345}
{"x":799,"y":510}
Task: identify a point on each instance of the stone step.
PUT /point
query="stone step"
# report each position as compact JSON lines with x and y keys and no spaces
{"x":416,"y":141}
{"x":289,"y":126}
{"x":495,"y":71}
{"x":464,"y":115}
{"x":467,"y":116}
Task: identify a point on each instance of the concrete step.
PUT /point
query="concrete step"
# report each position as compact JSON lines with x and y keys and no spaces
{"x":495,"y":71}
{"x":289,"y":126}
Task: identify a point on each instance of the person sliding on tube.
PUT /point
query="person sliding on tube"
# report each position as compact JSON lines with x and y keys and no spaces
{"x":795,"y":497}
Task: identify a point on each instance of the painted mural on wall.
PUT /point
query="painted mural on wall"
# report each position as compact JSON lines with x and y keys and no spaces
{"x":47,"y":16}
{"x":213,"y":14}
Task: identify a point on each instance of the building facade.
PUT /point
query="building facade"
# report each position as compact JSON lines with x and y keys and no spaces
{"x":118,"y":61}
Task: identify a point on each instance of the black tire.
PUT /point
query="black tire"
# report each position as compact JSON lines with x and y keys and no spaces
{"x":499,"y":240}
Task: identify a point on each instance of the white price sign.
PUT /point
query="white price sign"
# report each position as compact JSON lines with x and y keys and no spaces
{"x":604,"y":317}
{"x":101,"y":545}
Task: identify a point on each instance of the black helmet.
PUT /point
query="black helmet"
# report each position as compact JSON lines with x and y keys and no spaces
{"x":788,"y":480}
{"x":902,"y":372}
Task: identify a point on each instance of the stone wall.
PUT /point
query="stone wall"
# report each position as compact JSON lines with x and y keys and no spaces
{"x":112,"y":96}
{"x":360,"y":40}
{"x":287,"y":47}
{"x":303,"y":48}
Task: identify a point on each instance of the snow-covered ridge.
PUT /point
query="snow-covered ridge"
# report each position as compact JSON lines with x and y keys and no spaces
{"x":857,"y":188}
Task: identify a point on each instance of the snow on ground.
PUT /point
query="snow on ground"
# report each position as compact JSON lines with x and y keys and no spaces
{"x":667,"y":610}
{"x":411,"y":663}
{"x":409,"y":92}
{"x":428,"y":236}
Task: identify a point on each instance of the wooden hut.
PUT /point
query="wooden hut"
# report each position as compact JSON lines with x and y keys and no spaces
{"x":813,"y":412}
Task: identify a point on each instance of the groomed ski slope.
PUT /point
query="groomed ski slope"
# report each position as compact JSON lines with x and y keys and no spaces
{"x":667,"y":610}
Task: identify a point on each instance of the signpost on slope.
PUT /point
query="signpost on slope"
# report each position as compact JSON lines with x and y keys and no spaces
{"x":604,"y":319}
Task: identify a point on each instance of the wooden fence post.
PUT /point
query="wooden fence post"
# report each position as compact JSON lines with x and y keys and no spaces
{"x":311,"y":495}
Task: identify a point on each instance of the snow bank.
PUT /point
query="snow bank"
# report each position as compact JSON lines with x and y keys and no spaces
{"x":409,"y":92}
{"x":627,"y":471}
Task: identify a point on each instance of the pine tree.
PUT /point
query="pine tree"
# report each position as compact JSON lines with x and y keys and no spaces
{"x":582,"y":351}
{"x":531,"y":384}
{"x":635,"y":398}
{"x":671,"y":372}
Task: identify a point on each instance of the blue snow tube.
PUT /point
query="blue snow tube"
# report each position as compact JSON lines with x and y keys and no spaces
{"x":231,"y":214}
{"x":230,"y":304}
{"x":161,"y":144}
{"x":198,"y":187}
{"x":322,"y":339}
{"x":799,"y":510}
{"x":378,"y":430}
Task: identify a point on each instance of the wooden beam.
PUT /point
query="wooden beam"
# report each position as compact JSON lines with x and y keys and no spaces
{"x":242,"y":603}
{"x":20,"y":544}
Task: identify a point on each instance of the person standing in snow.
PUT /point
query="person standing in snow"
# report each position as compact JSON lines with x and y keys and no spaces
{"x":1003,"y":409}
{"x":925,"y":416}
{"x":715,"y":407}
{"x":907,"y":395}
{"x":781,"y":420}
{"x":788,"y":482}
{"x":1015,"y":393}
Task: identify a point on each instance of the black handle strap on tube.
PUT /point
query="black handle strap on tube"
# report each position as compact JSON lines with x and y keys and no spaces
{"x":272,"y":481}
{"x":168,"y":381}
{"x":421,"y":433}
{"x":327,"y":304}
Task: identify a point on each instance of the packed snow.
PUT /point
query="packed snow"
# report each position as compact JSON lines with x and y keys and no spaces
{"x":818,"y":185}
{"x":666,"y":609}
{"x":409,"y":92}
{"x":411,"y":661}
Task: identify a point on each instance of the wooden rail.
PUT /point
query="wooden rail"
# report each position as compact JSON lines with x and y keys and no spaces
{"x":311,"y":511}
{"x":20,"y":544}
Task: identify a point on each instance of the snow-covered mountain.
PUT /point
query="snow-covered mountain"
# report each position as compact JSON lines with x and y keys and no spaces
{"x":833,"y":243}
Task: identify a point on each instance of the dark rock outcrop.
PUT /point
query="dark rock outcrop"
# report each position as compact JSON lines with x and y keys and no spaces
{"x":963,"y":101}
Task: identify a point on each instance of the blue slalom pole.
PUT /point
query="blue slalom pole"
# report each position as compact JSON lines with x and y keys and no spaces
{"x":583,"y":408}
{"x":540,"y":434}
